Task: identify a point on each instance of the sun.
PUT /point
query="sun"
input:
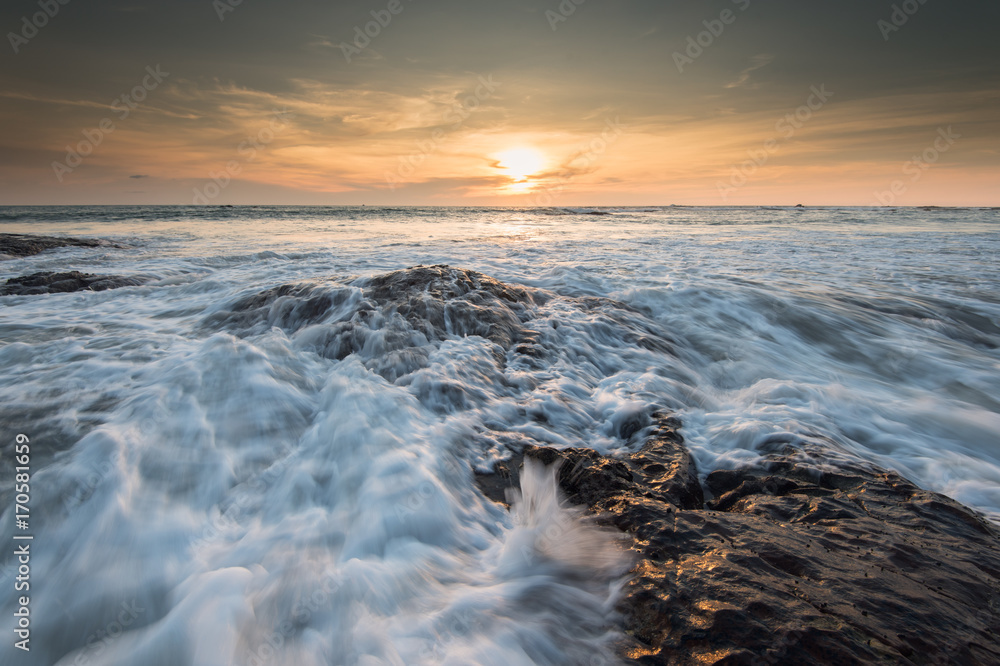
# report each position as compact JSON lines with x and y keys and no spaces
{"x":520,"y":163}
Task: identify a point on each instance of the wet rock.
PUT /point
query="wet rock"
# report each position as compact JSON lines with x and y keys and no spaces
{"x":791,"y":562}
{"x":424,"y":304}
{"x":440,"y":301}
{"x":393,"y":317}
{"x":289,"y":307}
{"x":23,"y":245}
{"x":663,"y":469}
{"x":434,"y":302}
{"x":443,"y":283}
{"x":393,"y":322}
{"x":62,"y":283}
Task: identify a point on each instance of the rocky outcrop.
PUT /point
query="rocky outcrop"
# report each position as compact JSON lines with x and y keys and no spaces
{"x":663,"y":470}
{"x":22,"y":245}
{"x":440,"y":300}
{"x":431,"y":302}
{"x":61,"y":283}
{"x":290,"y":307}
{"x":391,"y":318}
{"x":791,"y":562}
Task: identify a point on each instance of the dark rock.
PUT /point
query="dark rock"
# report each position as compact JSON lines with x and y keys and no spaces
{"x":409,"y":308}
{"x":441,"y":282}
{"x":440,"y":301}
{"x":661,"y":470}
{"x":22,"y":245}
{"x":432,"y":302}
{"x":392,"y":318}
{"x":289,"y":307}
{"x":61,"y":283}
{"x":393,"y":322}
{"x":789,"y":563}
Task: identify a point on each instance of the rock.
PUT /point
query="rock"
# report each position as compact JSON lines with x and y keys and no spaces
{"x":440,"y":300}
{"x":22,"y":245}
{"x":435,"y":301}
{"x":61,"y":283}
{"x":790,"y":562}
{"x":393,"y":322}
{"x":422,"y":304}
{"x":289,"y":307}
{"x":662,"y":469}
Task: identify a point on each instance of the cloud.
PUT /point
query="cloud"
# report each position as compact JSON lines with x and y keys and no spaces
{"x":384,"y":113}
{"x":53,"y":100}
{"x":758,"y":62}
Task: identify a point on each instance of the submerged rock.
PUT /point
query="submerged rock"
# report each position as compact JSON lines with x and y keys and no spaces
{"x":439,"y":301}
{"x":434,"y":301}
{"x":391,"y":318}
{"x":61,"y":283}
{"x":23,"y":245}
{"x":789,"y":563}
{"x":662,"y":469}
{"x":290,"y":307}
{"x":394,"y":321}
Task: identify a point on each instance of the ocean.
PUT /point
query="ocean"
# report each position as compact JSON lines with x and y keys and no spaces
{"x":223,"y":472}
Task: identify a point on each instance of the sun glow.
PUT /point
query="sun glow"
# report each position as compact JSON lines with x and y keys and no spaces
{"x":520,"y":163}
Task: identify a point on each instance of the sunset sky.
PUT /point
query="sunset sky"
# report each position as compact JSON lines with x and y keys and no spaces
{"x":519,"y":102}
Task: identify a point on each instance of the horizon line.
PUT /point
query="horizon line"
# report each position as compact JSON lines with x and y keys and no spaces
{"x":499,"y":206}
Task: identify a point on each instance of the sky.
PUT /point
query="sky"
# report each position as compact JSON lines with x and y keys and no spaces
{"x":510,"y":102}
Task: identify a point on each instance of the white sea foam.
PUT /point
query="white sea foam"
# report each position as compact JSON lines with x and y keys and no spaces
{"x":262,"y":502}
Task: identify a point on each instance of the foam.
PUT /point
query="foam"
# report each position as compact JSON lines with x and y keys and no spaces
{"x":265,"y":497}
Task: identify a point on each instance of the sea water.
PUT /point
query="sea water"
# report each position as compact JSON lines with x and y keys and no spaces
{"x":204,"y":492}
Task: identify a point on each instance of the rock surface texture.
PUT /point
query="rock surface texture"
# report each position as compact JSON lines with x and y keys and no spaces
{"x":391,"y":319}
{"x":61,"y":283}
{"x":791,"y":563}
{"x":21,"y":245}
